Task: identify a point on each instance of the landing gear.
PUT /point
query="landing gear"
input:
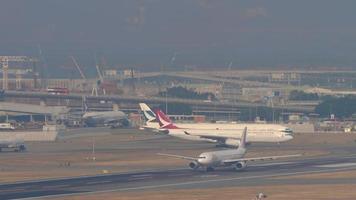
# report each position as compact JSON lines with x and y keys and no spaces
{"x":210,"y":169}
{"x":221,"y":145}
{"x":22,"y":148}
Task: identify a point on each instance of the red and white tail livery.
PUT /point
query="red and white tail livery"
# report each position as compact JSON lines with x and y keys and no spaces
{"x":164,"y":121}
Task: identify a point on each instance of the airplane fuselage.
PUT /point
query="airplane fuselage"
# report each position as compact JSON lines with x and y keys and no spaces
{"x":257,"y":132}
{"x":104,"y":118}
{"x":215,"y":158}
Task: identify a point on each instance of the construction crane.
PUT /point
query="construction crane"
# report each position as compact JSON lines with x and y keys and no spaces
{"x":99,"y":73}
{"x":4,"y":60}
{"x":94,"y":91}
{"x":78,"y":68}
{"x":83,"y":85}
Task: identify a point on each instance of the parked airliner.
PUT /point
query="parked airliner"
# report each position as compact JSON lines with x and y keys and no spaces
{"x":223,"y":134}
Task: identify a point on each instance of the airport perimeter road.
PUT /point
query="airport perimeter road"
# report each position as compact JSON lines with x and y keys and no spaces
{"x":255,"y":174}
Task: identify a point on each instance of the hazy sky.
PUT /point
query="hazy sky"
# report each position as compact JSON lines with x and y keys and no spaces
{"x":202,"y":32}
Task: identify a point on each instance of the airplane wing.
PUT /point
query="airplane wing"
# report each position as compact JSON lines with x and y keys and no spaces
{"x":178,"y":156}
{"x":259,"y":158}
{"x":212,"y":137}
{"x":111,"y":120}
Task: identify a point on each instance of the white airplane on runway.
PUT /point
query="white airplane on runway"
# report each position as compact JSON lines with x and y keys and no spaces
{"x":225,"y":158}
{"x":223,"y":134}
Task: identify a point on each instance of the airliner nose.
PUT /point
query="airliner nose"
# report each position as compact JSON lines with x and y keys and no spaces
{"x":205,"y":159}
{"x":163,"y":131}
{"x":287,"y":137}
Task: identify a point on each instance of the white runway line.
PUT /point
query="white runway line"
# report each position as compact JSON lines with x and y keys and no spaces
{"x":208,"y":176}
{"x":54,"y":186}
{"x":272,"y":164}
{"x":96,"y":182}
{"x":139,"y":178}
{"x":141,"y":175}
{"x":88,"y":176}
{"x":338,"y":165}
{"x":13,"y":190}
{"x":174,"y":175}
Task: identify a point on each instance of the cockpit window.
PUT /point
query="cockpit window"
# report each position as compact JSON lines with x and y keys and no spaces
{"x":288,"y":131}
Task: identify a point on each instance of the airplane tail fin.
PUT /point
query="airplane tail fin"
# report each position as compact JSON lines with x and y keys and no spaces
{"x":164,"y":120}
{"x":150,"y":116}
{"x":243,"y":139}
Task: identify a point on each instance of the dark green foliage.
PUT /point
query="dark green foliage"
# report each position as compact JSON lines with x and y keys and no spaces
{"x":300,"y":95}
{"x":340,"y":107}
{"x":184,"y":93}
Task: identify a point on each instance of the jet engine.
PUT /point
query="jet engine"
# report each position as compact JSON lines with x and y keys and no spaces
{"x":194,"y":165}
{"x":125,"y":122}
{"x":240,"y":165}
{"x":232,"y":142}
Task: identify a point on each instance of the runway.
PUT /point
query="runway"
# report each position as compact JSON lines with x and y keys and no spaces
{"x":255,"y":174}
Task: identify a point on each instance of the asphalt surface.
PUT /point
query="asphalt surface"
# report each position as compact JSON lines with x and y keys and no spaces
{"x":254,"y":174}
{"x":340,"y":158}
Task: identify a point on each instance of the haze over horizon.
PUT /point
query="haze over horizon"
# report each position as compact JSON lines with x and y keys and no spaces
{"x":251,"y":33}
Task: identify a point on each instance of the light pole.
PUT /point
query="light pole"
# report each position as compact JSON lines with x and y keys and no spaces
{"x":93,"y":150}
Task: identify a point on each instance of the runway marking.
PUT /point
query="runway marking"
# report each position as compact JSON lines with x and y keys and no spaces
{"x":141,"y":175}
{"x":208,"y":176}
{"x":96,"y":182}
{"x":338,"y":165}
{"x":13,"y":190}
{"x":271,"y":164}
{"x":54,"y":186}
{"x":174,"y":175}
{"x":152,"y":170}
{"x":193,"y":182}
{"x":139,"y":178}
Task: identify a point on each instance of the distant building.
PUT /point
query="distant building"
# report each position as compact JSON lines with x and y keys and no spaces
{"x":260,"y":94}
{"x":188,"y":118}
{"x":110,"y":73}
{"x":230,"y":93}
{"x":285,"y":77}
{"x":128,"y":73}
